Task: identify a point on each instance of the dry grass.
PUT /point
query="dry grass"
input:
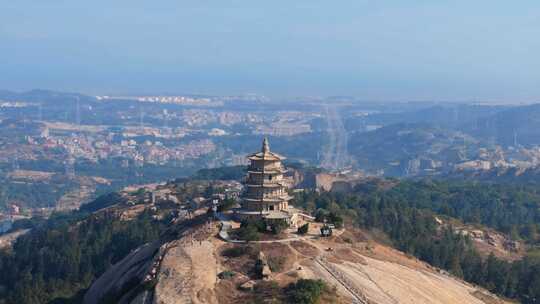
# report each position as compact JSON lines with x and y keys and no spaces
{"x":243,"y":263}
{"x":341,"y":255}
{"x":280,"y":256}
{"x":305,"y":248}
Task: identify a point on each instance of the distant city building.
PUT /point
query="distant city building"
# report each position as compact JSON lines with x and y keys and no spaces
{"x":265,"y":194}
{"x":217,"y":132}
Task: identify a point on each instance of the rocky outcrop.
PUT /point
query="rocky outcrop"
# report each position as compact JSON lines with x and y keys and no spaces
{"x":178,"y":268}
{"x":174,"y":281}
{"x":121,"y":281}
{"x":262,"y":266}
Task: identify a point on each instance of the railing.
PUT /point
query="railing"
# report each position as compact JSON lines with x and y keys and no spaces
{"x":359,"y":297}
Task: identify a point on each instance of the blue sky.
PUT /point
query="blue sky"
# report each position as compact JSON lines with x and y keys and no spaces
{"x":376,"y":50}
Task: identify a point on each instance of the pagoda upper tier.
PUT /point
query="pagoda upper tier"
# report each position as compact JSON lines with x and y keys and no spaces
{"x":265,"y":153}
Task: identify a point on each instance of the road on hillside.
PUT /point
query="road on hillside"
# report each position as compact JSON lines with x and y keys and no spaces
{"x":335,"y":155}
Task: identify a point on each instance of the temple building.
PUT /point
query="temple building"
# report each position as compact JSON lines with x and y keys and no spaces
{"x":265,"y":195}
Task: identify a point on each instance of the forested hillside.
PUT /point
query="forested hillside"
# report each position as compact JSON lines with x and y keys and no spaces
{"x":61,"y":256}
{"x":406,"y":213}
{"x":59,"y":259}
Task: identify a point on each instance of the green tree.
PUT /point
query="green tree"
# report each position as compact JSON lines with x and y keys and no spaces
{"x":279,"y":226}
{"x":305,"y":291}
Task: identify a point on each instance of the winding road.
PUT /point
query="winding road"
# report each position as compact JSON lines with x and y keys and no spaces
{"x":335,"y":155}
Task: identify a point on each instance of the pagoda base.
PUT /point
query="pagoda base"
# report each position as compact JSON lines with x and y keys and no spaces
{"x":290,"y":216}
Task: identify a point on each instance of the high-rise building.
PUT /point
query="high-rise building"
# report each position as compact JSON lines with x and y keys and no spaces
{"x":265,"y":195}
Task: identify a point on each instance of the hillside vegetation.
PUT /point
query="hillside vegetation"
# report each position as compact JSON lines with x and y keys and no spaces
{"x":407,"y":212}
{"x":55,"y":263}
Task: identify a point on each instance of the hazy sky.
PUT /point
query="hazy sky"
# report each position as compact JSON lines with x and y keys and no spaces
{"x":377,"y":49}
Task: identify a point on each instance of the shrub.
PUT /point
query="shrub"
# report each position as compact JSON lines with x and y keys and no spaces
{"x":235,"y":252}
{"x":248,"y":233}
{"x":279,"y":226}
{"x":321,"y":215}
{"x":330,"y":217}
{"x":305,"y":291}
{"x":267,"y":290}
{"x":225,"y":205}
{"x":276,"y":263}
{"x":259,"y":224}
{"x":336,"y":220}
{"x":264,"y":286}
{"x":303,"y":229}
{"x":227,"y":274}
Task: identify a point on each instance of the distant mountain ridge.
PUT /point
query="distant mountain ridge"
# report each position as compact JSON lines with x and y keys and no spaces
{"x":518,"y":125}
{"x":393,"y":147}
{"x":42,"y":96}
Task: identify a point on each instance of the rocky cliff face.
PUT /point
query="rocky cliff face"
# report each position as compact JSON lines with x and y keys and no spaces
{"x":121,"y":282}
{"x":163,"y":271}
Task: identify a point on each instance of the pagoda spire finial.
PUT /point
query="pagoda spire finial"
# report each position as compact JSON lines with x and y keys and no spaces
{"x":265,"y":145}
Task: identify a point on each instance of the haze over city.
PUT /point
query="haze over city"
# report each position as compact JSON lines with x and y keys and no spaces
{"x":374,"y":50}
{"x":284,"y":152}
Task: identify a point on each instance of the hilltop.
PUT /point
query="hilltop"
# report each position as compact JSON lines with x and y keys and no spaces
{"x":158,"y":244}
{"x":198,"y":268}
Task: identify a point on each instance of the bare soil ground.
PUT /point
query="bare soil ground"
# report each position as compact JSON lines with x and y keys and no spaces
{"x":305,"y":249}
{"x":228,"y":293}
{"x":243,"y":264}
{"x":280,"y":256}
{"x":341,"y":255}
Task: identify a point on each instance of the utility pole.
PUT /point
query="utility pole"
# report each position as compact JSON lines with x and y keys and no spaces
{"x":40,"y":112}
{"x":78,"y":113}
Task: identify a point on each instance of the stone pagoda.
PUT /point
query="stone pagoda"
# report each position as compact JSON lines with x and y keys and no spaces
{"x":265,"y":195}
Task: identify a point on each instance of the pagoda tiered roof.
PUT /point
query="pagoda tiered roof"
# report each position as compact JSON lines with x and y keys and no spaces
{"x":265,"y":153}
{"x":271,"y":156}
{"x":269,"y":171}
{"x":277,"y":199}
{"x":267,"y":185}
